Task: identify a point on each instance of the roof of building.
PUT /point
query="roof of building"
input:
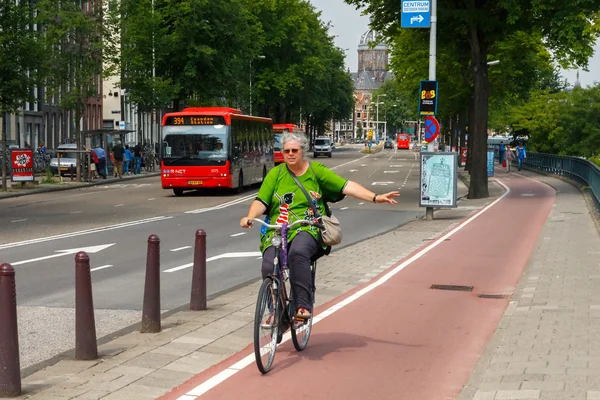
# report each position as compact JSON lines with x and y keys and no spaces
{"x":371,"y":39}
{"x":370,"y":80}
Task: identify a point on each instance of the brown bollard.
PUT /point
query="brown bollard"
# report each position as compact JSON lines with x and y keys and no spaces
{"x":10,"y":370}
{"x":151,"y":310}
{"x":86,"y":346}
{"x":198,"y":298}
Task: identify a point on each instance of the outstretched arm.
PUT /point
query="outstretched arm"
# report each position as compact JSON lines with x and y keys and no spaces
{"x":360,"y":192}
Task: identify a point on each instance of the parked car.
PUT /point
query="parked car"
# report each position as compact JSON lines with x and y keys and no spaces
{"x":389,"y":144}
{"x":67,"y":160}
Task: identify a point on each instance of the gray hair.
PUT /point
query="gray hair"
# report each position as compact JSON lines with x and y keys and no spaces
{"x":297,"y":136}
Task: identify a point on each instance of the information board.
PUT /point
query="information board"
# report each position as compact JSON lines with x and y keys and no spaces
{"x":21,"y":165}
{"x":490,"y":163}
{"x":438,"y":179}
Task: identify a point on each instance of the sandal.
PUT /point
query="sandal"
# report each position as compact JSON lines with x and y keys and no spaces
{"x":268,"y":321}
{"x":303,"y":314}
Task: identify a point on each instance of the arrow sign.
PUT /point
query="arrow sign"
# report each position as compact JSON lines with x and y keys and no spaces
{"x":415,"y":14}
{"x":419,"y":18}
{"x":89,"y":250}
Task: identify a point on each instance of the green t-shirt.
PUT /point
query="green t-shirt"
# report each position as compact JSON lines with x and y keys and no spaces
{"x":285,"y":201}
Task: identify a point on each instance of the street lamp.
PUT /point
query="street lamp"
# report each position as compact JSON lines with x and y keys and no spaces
{"x":258,"y":58}
{"x":378,"y":96}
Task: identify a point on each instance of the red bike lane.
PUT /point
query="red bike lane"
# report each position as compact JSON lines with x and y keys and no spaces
{"x":401,"y":339}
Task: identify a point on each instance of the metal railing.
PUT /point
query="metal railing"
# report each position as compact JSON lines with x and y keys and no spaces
{"x":574,"y":168}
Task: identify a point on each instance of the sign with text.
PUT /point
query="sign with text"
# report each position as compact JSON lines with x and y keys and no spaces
{"x":21,"y":165}
{"x":416,"y":14}
{"x":438,"y":179}
{"x":463,"y":156}
{"x":428,"y":98}
{"x":490,"y":163}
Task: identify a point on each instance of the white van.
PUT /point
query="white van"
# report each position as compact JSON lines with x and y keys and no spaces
{"x":67,"y":160}
{"x":323,"y":146}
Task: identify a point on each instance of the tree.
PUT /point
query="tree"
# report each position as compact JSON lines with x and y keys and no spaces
{"x":20,"y":64}
{"x":76,"y":38}
{"x":568,"y":28}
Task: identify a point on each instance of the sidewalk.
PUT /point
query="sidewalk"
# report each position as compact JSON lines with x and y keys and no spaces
{"x":542,"y":349}
{"x":66,"y":184}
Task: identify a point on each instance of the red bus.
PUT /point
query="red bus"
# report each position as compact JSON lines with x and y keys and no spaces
{"x":278,"y":130}
{"x":403,"y":141}
{"x":214,"y":147}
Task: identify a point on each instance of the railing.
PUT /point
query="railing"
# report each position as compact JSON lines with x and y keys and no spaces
{"x":575,"y":168}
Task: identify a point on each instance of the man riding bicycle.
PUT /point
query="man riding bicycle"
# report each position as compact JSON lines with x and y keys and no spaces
{"x":284,"y":202}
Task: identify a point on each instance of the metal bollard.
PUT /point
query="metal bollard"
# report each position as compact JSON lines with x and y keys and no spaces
{"x":10,"y":370}
{"x":151,"y":310}
{"x":198,"y":298}
{"x":86,"y":346}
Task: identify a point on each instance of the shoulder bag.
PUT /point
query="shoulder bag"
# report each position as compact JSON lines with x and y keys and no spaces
{"x":332,"y":234}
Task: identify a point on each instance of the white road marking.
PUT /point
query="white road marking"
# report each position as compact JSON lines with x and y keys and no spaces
{"x":396,"y":166}
{"x":363,"y":165}
{"x":381,"y":183}
{"x":390,"y":172}
{"x":224,"y":205}
{"x":19,"y":220}
{"x":102,"y":267}
{"x":349,"y":162}
{"x":119,"y":205}
{"x":344,"y":208}
{"x":238,"y":234}
{"x":528,"y":195}
{"x":89,"y":249}
{"x":353,"y":170}
{"x":152,"y":199}
{"x":85,"y":232}
{"x":226,"y":255}
{"x":360,"y":204}
{"x":249,"y":359}
{"x":181,"y":248}
{"x":75,"y":212}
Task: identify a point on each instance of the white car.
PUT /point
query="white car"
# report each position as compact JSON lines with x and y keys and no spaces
{"x":67,"y":160}
{"x":323,"y":147}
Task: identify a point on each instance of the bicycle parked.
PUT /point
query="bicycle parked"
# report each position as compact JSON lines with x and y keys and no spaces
{"x":275,"y":307}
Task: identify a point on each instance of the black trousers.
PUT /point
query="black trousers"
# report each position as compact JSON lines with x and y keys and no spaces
{"x":302,"y":248}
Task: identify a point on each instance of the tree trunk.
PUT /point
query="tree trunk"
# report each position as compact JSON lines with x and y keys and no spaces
{"x":470,"y":116}
{"x":478,"y":187}
{"x":3,"y":158}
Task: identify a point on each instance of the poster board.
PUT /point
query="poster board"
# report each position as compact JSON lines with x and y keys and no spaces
{"x":438,"y":179}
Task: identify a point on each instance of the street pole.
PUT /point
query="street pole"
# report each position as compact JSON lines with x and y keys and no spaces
{"x":250,"y":87}
{"x":432,"y":60}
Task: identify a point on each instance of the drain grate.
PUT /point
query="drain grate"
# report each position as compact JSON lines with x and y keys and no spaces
{"x":457,"y":288}
{"x":493,"y":296}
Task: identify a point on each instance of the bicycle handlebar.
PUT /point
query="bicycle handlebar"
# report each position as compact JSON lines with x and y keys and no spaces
{"x":299,"y":222}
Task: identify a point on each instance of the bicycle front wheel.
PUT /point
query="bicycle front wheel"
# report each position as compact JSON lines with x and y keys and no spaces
{"x":266,"y":325}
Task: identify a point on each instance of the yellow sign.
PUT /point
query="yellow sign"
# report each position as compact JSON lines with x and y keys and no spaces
{"x":370,"y":133}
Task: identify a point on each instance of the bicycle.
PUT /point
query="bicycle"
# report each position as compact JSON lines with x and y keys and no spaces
{"x":276,"y":306}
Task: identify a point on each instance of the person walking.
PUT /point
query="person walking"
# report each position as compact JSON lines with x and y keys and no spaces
{"x":137,"y":159}
{"x":119,"y":153}
{"x":127,"y":160}
{"x":521,"y":155}
{"x":284,"y":201}
{"x":509,"y":157}
{"x":101,"y":163}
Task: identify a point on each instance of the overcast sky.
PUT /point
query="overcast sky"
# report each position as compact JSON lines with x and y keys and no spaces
{"x":349,"y":25}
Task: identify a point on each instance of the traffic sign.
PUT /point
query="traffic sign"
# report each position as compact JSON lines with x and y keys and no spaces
{"x":416,"y":14}
{"x":432,"y":129}
{"x":428,"y":95}
{"x":121,"y":125}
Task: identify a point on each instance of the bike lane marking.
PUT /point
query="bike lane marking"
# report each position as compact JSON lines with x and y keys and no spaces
{"x":228,"y":372}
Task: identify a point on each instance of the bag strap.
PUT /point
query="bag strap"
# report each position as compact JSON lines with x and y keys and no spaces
{"x":308,"y":198}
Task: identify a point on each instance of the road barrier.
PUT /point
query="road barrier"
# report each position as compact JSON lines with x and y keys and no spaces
{"x":198,"y":296}
{"x":574,"y":168}
{"x":10,"y":370}
{"x":151,"y":309}
{"x":86,"y":346}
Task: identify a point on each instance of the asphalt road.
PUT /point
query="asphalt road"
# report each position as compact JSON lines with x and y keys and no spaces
{"x":41,"y":233}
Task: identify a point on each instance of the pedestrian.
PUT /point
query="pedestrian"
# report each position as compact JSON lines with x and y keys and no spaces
{"x":285,"y":201}
{"x":127,"y":160}
{"x":42,"y":148}
{"x":521,"y":155}
{"x":118,"y":153}
{"x":137,"y":158}
{"x":501,"y":150}
{"x":100,"y":160}
{"x":509,"y":157}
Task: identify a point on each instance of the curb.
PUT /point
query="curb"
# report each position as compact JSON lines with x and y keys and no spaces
{"x":60,"y":189}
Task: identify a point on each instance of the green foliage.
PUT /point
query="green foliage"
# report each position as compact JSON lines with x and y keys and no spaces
{"x":49,"y":178}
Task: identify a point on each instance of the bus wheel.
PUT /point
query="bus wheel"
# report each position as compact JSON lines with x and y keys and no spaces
{"x":178,"y":192}
{"x":240,"y":183}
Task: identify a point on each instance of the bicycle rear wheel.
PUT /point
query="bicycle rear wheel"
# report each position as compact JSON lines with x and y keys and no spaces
{"x":301,"y":331}
{"x":265,"y":328}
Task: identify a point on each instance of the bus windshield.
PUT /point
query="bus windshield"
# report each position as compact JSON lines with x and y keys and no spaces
{"x":277,"y":141}
{"x":195,"y":142}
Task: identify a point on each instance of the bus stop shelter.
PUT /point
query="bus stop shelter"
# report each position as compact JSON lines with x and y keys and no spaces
{"x":106,"y":138}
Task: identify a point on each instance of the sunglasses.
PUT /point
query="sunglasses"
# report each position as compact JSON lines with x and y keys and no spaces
{"x":288,"y":151}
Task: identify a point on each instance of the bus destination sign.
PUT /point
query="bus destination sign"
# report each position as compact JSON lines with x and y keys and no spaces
{"x":195,"y":120}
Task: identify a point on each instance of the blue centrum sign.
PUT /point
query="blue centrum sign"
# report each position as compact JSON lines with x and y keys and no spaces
{"x":416,"y":14}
